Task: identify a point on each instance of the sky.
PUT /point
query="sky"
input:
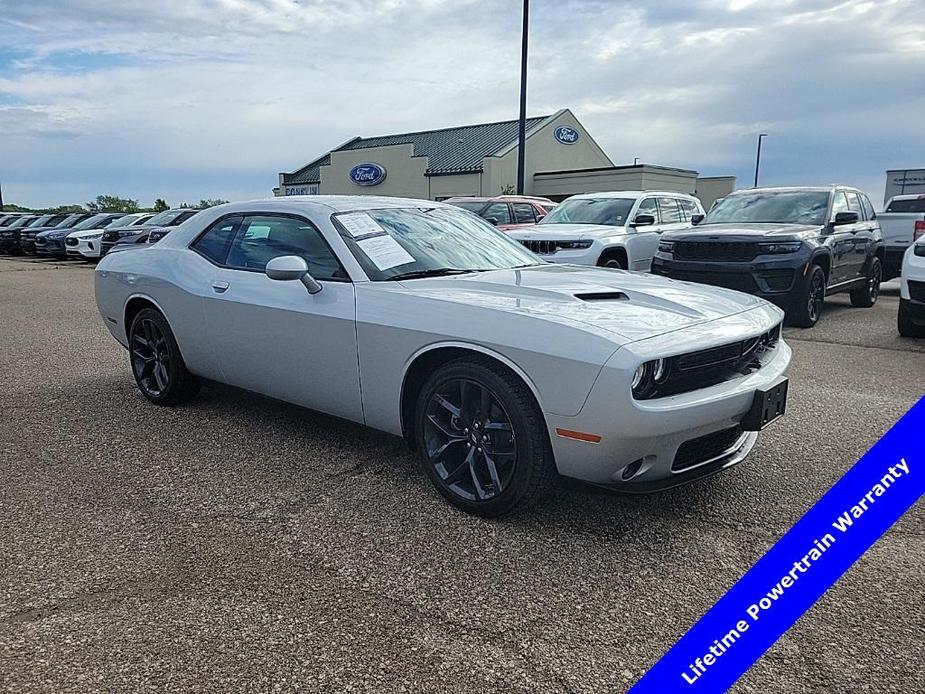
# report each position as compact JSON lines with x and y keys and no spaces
{"x":211,"y":99}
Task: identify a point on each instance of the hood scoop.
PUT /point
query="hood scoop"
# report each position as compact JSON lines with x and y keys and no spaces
{"x":603,"y":296}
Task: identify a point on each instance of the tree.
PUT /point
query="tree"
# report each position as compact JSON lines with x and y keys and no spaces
{"x":508,"y":189}
{"x":112,"y":203}
{"x":160,"y":205}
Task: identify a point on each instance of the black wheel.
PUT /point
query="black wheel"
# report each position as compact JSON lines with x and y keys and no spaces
{"x":157,"y":365}
{"x":611,"y":261}
{"x":866,"y":296}
{"x":808,"y":305}
{"x":482,"y":438}
{"x":907,"y":328}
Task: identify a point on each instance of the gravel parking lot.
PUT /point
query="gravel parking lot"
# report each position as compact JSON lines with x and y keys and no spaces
{"x":241,"y":544}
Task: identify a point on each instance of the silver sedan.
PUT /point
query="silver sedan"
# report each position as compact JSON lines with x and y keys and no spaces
{"x":419,"y":319}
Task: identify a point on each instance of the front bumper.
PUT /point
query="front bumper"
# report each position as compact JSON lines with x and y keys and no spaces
{"x":9,"y":243}
{"x":88,"y":248}
{"x":673,"y":439}
{"x":50,"y":247}
{"x":774,"y":278}
{"x":915,"y":310}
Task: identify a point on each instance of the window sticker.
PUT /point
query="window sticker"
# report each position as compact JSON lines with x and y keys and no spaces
{"x":360,"y":224}
{"x":383,"y":250}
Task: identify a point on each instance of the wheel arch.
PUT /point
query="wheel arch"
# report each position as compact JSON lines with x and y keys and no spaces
{"x":428,"y":359}
{"x":133,"y":305}
{"x":823,"y":260}
{"x":615,"y":250}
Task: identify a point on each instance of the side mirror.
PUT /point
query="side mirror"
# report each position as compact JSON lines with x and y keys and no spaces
{"x":492,"y":220}
{"x":845,"y":218}
{"x":696,"y":219}
{"x":644,"y":220}
{"x":292,"y":267}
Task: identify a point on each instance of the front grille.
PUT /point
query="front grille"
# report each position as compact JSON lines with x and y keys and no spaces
{"x":707,"y":367}
{"x":917,"y":291}
{"x":700,"y":450}
{"x":715,"y":250}
{"x":71,"y":242}
{"x":110,"y":236}
{"x":542,"y":247}
{"x":729,"y":280}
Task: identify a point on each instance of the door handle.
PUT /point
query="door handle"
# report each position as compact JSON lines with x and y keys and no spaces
{"x":219,"y":287}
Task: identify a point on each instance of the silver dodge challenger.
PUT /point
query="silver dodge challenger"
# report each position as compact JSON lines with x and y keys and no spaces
{"x":421,"y":320}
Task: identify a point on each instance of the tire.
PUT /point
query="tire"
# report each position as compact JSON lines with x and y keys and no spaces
{"x":905,"y":325}
{"x":866,"y":296}
{"x":156,"y":362}
{"x":612,"y":261}
{"x":484,"y":470}
{"x":808,"y":305}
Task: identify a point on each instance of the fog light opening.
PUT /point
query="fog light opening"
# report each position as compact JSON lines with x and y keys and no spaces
{"x":631,"y":470}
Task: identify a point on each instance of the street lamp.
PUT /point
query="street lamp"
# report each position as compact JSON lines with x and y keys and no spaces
{"x":522,"y":128}
{"x":758,"y":157}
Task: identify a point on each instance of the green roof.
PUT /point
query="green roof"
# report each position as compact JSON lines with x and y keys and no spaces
{"x":448,"y":151}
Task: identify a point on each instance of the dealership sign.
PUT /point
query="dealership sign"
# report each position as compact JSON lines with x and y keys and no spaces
{"x":311,"y":189}
{"x":367,"y":174}
{"x":566,"y":135}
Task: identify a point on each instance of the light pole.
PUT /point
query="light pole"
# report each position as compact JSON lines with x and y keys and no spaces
{"x":758,"y":157}
{"x":522,"y":126}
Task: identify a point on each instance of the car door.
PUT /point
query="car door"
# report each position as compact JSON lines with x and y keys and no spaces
{"x":273,"y":337}
{"x":863,"y":235}
{"x":840,"y":239}
{"x":524,"y":215}
{"x":642,"y":241}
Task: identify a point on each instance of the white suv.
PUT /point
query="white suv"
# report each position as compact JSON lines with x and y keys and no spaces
{"x":618,"y":230}
{"x":912,"y":292}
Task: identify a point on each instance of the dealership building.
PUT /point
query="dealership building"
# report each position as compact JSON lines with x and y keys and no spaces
{"x":562,"y":159}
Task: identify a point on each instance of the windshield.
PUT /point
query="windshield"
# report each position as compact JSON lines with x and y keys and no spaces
{"x":69,"y":221}
{"x":913,"y":205}
{"x":471,"y":205}
{"x":391,"y":243}
{"x":169,"y":218}
{"x":40,"y":221}
{"x":124,"y":221}
{"x":21,"y":222}
{"x":607,"y":211}
{"x":93,"y":222}
{"x":792,"y":207}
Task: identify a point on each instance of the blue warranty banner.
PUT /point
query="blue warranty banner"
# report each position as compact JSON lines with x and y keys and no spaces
{"x":796,"y":571}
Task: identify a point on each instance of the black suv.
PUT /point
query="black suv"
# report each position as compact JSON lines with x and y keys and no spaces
{"x":791,"y":246}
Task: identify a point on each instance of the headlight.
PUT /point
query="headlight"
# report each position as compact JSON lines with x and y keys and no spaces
{"x":666,"y":246}
{"x":573,"y":244}
{"x":94,"y":237}
{"x":919,"y":250}
{"x":649,"y":376}
{"x":780,"y":247}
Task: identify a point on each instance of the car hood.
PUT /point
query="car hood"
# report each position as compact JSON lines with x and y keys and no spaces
{"x":749,"y":231}
{"x":551,"y":232}
{"x":623,"y":306}
{"x":83,"y":233}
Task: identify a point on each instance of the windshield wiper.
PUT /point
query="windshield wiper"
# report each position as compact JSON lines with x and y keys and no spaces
{"x":432,"y":272}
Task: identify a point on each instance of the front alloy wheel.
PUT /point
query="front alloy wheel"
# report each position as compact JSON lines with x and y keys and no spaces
{"x":482,"y":437}
{"x":469,"y":439}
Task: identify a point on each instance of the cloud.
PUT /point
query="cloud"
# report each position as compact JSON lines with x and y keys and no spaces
{"x":211,"y":99}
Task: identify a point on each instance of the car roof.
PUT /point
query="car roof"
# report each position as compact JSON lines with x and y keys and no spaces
{"x":331,"y":203}
{"x":631,"y":194}
{"x":796,"y":189}
{"x":909,"y":196}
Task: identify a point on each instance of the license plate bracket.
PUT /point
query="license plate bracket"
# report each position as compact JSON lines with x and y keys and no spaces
{"x":768,"y":406}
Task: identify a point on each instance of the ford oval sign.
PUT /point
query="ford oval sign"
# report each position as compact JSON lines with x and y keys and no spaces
{"x":566,"y":135}
{"x":367,"y":174}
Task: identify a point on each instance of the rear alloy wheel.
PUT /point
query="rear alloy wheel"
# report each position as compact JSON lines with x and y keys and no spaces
{"x":866,"y":296}
{"x":808,"y":304}
{"x":482,"y":438}
{"x":905,"y":324}
{"x":157,"y":365}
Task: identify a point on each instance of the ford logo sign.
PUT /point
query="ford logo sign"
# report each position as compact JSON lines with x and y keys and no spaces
{"x":566,"y":135}
{"x":367,"y":174}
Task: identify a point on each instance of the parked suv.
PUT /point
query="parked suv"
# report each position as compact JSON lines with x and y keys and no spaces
{"x":507,"y":211}
{"x":616,"y":230}
{"x":911,"y":320}
{"x":902,"y":224}
{"x":11,"y":232}
{"x":791,"y":246}
{"x":138,"y":233}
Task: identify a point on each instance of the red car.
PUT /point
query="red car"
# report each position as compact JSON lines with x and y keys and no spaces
{"x":507,"y":211}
